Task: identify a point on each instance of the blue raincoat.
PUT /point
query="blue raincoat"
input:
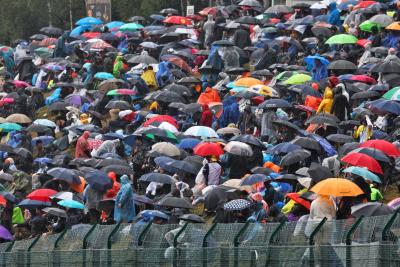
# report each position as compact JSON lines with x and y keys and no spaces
{"x":334,"y":15}
{"x":54,"y":97}
{"x":89,"y":73}
{"x":230,"y":112}
{"x":8,"y":62}
{"x":124,"y":198}
{"x":163,"y":74}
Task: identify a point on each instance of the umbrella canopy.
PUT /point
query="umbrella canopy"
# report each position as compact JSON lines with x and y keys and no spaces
{"x":5,"y":234}
{"x":158,"y":178}
{"x":174,"y":202}
{"x":237,"y":205}
{"x":193,"y":218}
{"x":89,"y":21}
{"x":65,"y":174}
{"x":283,"y":148}
{"x":364,"y":173}
{"x":362,"y":160}
{"x":9,"y":127}
{"x":382,"y":145}
{"x":390,"y":66}
{"x":372,"y":152}
{"x":65,"y":196}
{"x":179,"y":20}
{"x":131,"y":27}
{"x":299,"y":78}
{"x":239,"y":149}
{"x":144,"y":59}
{"x":337,"y":187}
{"x":383,"y":106}
{"x":201,"y":131}
{"x":279,"y":9}
{"x":183,"y":166}
{"x":166,"y":148}
{"x":340,"y":138}
{"x":392,"y":94}
{"x":99,"y":180}
{"x":118,"y":104}
{"x":342,"y":39}
{"x":342,"y":65}
{"x":56,"y":212}
{"x":33,"y":204}
{"x":307,"y":143}
{"x":72,"y":204}
{"x":296,"y":198}
{"x":41,"y":194}
{"x":18,"y":118}
{"x":294,"y":157}
{"x":122,"y":92}
{"x":188,"y":143}
{"x":253,"y":179}
{"x":248,"y":139}
{"x":371,"y":209}
{"x":205,"y":149}
{"x":162,"y":118}
{"x":275,"y":103}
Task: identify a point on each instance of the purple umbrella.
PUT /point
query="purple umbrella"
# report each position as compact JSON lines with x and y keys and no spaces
{"x":5,"y":234}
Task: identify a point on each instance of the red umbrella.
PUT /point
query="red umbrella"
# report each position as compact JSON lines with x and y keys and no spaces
{"x":209,"y":10}
{"x":364,"y":4}
{"x":178,"y":20}
{"x":162,"y":118}
{"x":126,"y":92}
{"x":41,"y":194}
{"x":180,"y":63}
{"x":3,"y":201}
{"x":363,"y":79}
{"x":384,"y":146}
{"x":91,"y":35}
{"x":363,"y":42}
{"x":296,"y":198}
{"x":205,"y":149}
{"x":363,"y":160}
{"x":100,"y":45}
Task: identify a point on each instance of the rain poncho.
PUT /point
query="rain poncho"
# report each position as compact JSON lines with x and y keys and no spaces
{"x":108,"y":146}
{"x":164,"y":73}
{"x":89,"y":73}
{"x":8,"y":62}
{"x":326,"y":104}
{"x":149,"y":77}
{"x":124,"y":210}
{"x":230,"y":113}
{"x":334,"y":15}
{"x":210,"y":95}
{"x":209,"y":28}
{"x":82,"y":146}
{"x":54,"y":97}
{"x":118,"y":66}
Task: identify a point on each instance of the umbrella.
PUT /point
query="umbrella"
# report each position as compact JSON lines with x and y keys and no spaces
{"x":103,"y":76}
{"x":294,"y":157}
{"x":382,"y":106}
{"x":342,"y":39}
{"x":72,"y":204}
{"x":53,"y":31}
{"x":318,"y":172}
{"x":179,"y":89}
{"x":362,"y":160}
{"x":283,"y":148}
{"x":188,"y":143}
{"x":141,"y":199}
{"x":131,"y":27}
{"x":179,"y":20}
{"x":118,"y":169}
{"x":106,"y":205}
{"x":287,"y":124}
{"x":8,"y":196}
{"x":162,"y":118}
{"x":222,"y":43}
{"x":9,"y":127}
{"x":33,"y":204}
{"x":384,"y":146}
{"x":279,"y":9}
{"x":23,"y":152}
{"x":321,"y":31}
{"x":395,"y":26}
{"x":56,"y":212}
{"x":193,"y":218}
{"x":342,"y":65}
{"x":122,"y":92}
{"x":364,"y":173}
{"x":189,"y":80}
{"x":158,"y":178}
{"x":275,"y":103}
{"x":248,"y":139}
{"x":99,"y":180}
{"x":118,"y":104}
{"x":337,"y":187}
{"x":253,"y":179}
{"x":89,"y":21}
{"x":323,"y":119}
{"x":64,"y":174}
{"x":365,"y":95}
{"x":59,"y":106}
{"x":41,"y":194}
{"x":144,"y":59}
{"x":45,"y":122}
{"x":205,"y":149}
{"x":195,"y":160}
{"x":166,"y":148}
{"x":392,"y":94}
{"x":168,"y":97}
{"x":394,"y":204}
{"x":238,"y":148}
{"x":111,"y":161}
{"x":201,"y":131}
{"x":389,"y":66}
{"x":151,"y":214}
{"x":306,"y":142}
{"x":371,"y":209}
{"x":247,"y":20}
{"x":183,"y":166}
{"x":299,"y":78}
{"x":228,"y":130}
{"x":18,"y":118}
{"x":174,"y":202}
{"x":340,"y":138}
{"x":372,"y":152}
{"x":5,"y":234}
{"x":39,"y":129}
{"x":65,"y":196}
{"x":237,"y":205}
{"x":296,"y":198}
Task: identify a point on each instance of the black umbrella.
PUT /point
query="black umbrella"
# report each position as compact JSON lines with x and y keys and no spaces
{"x":287,"y":124}
{"x":248,"y":20}
{"x":39,"y":129}
{"x":346,"y":148}
{"x":174,"y":202}
{"x":22,"y":152}
{"x":261,"y":170}
{"x":235,"y":71}
{"x":323,"y":119}
{"x":294,"y":157}
{"x":99,"y":180}
{"x":64,"y":174}
{"x":318,"y":172}
{"x":168,"y":97}
{"x":373,"y":152}
{"x":6,"y":148}
{"x":193,"y":218}
{"x":142,"y":199}
{"x":348,"y":124}
{"x":50,"y":30}
{"x":365,"y":95}
{"x":183,"y":166}
{"x":59,"y":106}
{"x":179,"y":89}
{"x":118,"y":169}
{"x":371,"y":209}
{"x":119,"y":104}
{"x":392,"y":79}
{"x":248,"y":139}
{"x":279,"y":9}
{"x":223,"y":43}
{"x":191,"y":108}
{"x":389,"y":66}
{"x":144,"y":59}
{"x":108,"y":37}
{"x":340,"y":138}
{"x":246,"y":94}
{"x":38,"y":37}
{"x":342,"y":65}
{"x":56,"y":212}
{"x":306,"y":142}
{"x":106,"y":205}
{"x":275,"y":103}
{"x":33,"y":204}
{"x":111,"y":161}
{"x":301,"y":5}
{"x":196,"y":161}
{"x":167,"y":11}
{"x":262,"y":73}
{"x":158,"y":178}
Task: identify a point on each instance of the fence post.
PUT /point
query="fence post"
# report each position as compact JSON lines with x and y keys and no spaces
{"x":84,"y":244}
{"x":349,"y":240}
{"x":28,"y":251}
{"x":272,"y":240}
{"x":253,"y":259}
{"x":8,"y":249}
{"x":143,"y":233}
{"x":175,"y":243}
{"x":311,"y":240}
{"x":109,"y":243}
{"x":236,"y":243}
{"x":59,"y":238}
{"x":205,"y":244}
{"x":388,"y":226}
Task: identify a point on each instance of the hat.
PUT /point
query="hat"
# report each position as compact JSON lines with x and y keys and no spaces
{"x":333,"y":80}
{"x":315,"y":86}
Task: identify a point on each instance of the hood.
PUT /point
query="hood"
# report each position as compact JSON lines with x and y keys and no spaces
{"x":113,"y":176}
{"x":86,"y":134}
{"x":332,"y":6}
{"x":205,"y":107}
{"x":210,"y":18}
{"x":125,"y":179}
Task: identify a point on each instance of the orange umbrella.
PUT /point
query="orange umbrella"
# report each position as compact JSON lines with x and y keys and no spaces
{"x":247,"y":82}
{"x":79,"y":188}
{"x":178,"y":20}
{"x":395,"y":26}
{"x":337,"y":187}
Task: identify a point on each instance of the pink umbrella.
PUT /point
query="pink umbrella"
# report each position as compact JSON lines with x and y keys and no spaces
{"x":21,"y":84}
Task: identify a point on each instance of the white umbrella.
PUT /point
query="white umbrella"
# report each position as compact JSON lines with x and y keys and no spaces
{"x":239,"y":148}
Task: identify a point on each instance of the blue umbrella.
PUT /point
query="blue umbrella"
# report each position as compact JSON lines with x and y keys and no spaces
{"x":188,"y":143}
{"x":383,"y":106}
{"x":43,"y":160}
{"x":364,"y":173}
{"x":104,"y":76}
{"x":89,"y":21}
{"x":99,"y":180}
{"x":33,"y":204}
{"x":157,"y":177}
{"x":311,"y":59}
{"x":114,"y":24}
{"x":77,"y":31}
{"x":345,"y":5}
{"x":129,"y":140}
{"x":275,"y":103}
{"x":112,"y":136}
{"x":151,"y":214}
{"x":46,"y":140}
{"x":157,"y":17}
{"x":73,"y":204}
{"x":163,"y":163}
{"x":253,"y":179}
{"x":283,"y":148}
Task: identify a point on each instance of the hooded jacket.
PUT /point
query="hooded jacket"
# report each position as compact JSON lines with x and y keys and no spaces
{"x":326,"y":103}
{"x":124,"y":209}
{"x":230,"y":113}
{"x":111,"y":193}
{"x":206,"y":116}
{"x":82,"y":146}
{"x":118,"y":66}
{"x":334,"y":15}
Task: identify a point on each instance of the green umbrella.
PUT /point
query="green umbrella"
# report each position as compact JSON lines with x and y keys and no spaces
{"x":284,"y":75}
{"x":342,"y":39}
{"x":9,"y":126}
{"x":367,"y":25}
{"x":44,"y":52}
{"x":363,"y":172}
{"x":298,"y":79}
{"x":392,"y":94}
{"x":131,"y":27}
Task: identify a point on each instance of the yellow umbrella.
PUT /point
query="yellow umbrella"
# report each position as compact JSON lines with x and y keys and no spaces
{"x":395,"y":26}
{"x":247,"y":82}
{"x":337,"y":187}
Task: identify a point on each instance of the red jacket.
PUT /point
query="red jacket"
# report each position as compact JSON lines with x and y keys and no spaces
{"x":206,"y":116}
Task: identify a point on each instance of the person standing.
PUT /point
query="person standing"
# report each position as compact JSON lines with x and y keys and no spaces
{"x":124,"y":210}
